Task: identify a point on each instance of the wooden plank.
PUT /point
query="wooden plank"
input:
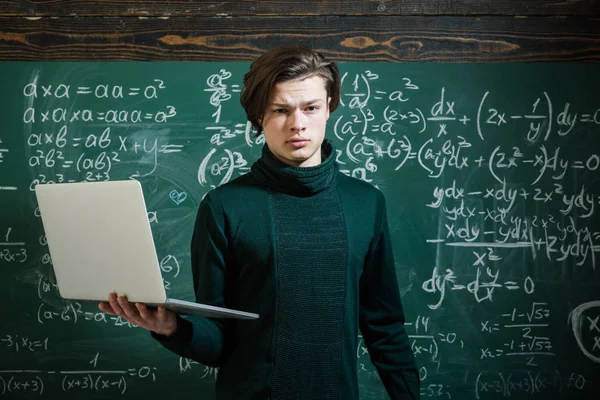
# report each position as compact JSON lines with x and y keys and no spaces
{"x":398,"y":39}
{"x":297,"y":7}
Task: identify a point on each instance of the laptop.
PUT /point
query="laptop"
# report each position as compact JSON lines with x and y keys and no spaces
{"x":100,"y":241}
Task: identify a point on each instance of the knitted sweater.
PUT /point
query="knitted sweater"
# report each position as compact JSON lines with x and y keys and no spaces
{"x":308,"y":249}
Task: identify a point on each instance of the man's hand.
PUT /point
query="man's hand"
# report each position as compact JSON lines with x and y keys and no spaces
{"x":159,"y":320}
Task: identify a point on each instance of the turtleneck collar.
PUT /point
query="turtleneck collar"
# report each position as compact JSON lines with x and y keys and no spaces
{"x":296,"y":181}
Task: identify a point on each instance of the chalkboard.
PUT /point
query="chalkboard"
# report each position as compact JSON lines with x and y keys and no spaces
{"x":490,"y":174}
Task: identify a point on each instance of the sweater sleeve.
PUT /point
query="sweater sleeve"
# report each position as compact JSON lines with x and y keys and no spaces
{"x":381,"y":318}
{"x":204,"y":339}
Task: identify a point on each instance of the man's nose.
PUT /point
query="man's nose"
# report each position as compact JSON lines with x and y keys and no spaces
{"x":297,"y":121}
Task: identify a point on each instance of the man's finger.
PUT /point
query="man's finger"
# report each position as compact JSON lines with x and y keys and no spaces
{"x":128,"y":309}
{"x":162,"y":314}
{"x":114,"y":303}
{"x":105,"y":306}
{"x":143,"y":310}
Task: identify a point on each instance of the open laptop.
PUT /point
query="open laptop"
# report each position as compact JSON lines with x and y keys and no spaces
{"x":100,"y":241}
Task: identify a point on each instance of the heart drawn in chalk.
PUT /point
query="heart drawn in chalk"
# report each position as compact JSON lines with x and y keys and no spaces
{"x":177,"y":197}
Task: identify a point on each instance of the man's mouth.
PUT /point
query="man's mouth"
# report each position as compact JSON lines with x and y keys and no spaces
{"x":298,"y":142}
{"x":297,"y":139}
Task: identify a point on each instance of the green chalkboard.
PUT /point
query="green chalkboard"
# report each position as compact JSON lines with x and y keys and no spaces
{"x":490,"y":174}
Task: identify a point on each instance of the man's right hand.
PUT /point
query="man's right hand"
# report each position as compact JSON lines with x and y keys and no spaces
{"x":159,"y":320}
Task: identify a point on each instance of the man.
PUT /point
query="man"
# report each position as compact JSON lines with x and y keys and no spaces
{"x":299,"y":243}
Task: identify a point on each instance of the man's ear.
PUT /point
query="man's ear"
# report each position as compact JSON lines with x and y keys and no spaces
{"x":328,"y":109}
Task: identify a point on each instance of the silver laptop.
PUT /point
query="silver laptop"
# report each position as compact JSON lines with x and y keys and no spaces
{"x":100,"y":241}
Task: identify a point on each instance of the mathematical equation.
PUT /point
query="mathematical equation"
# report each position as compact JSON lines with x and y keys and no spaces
{"x":511,"y":384}
{"x":34,"y":381}
{"x":17,"y":343}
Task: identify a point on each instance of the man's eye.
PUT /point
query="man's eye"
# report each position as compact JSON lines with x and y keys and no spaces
{"x":312,"y":108}
{"x":279,"y":111}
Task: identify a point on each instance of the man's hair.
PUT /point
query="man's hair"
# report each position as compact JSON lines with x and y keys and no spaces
{"x":283,"y":64}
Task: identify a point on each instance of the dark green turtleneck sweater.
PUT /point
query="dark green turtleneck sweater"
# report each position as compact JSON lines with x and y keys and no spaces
{"x":308,"y":249}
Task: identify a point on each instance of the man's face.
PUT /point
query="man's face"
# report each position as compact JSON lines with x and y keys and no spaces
{"x":294,"y":121}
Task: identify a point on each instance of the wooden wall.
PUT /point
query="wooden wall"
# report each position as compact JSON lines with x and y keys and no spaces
{"x":360,"y":30}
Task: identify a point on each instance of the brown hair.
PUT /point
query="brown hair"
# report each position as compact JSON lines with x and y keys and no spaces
{"x":282,"y":64}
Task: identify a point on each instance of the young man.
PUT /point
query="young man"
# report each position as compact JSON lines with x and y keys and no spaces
{"x":299,"y":243}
